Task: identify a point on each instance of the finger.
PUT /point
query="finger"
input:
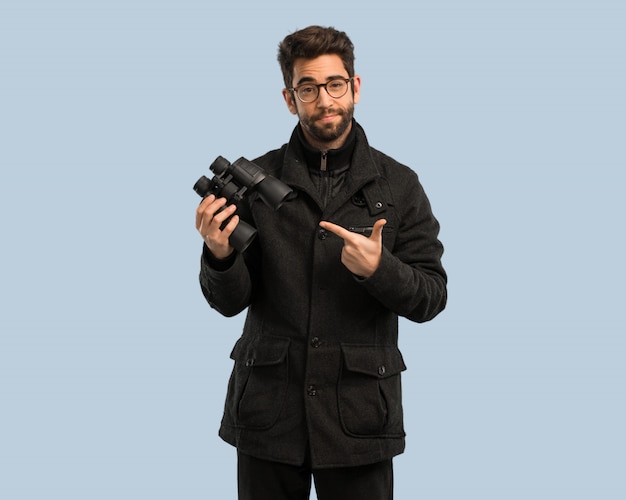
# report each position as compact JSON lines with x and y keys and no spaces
{"x":338,"y":230}
{"x":207,"y":210}
{"x":220,"y":217}
{"x":201,"y":208}
{"x":230,"y":227}
{"x":377,"y":230}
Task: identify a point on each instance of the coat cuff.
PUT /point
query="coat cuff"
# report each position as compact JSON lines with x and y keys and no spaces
{"x":216,"y":264}
{"x":390,"y":282}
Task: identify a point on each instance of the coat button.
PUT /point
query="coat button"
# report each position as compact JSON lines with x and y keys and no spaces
{"x":379,"y":204}
{"x":316,"y":342}
{"x":381,"y":370}
{"x":250,"y":362}
{"x":311,"y":390}
{"x":322,"y":234}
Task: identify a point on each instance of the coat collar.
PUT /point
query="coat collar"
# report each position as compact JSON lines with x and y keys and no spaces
{"x":362,"y":171}
{"x":333,"y":158}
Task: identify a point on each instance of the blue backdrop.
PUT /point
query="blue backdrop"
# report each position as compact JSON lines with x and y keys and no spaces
{"x":113,"y":369}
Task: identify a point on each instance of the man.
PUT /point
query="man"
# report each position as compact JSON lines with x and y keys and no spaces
{"x":315,"y":390}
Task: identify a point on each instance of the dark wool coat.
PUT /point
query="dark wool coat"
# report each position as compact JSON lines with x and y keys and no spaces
{"x":317,"y":368}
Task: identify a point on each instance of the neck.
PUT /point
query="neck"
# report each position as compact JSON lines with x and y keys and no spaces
{"x":330,"y":159}
{"x":326,"y":145}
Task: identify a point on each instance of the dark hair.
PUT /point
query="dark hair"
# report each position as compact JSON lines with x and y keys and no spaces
{"x":312,"y":42}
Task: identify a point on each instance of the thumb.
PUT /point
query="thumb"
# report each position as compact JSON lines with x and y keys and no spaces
{"x":377,"y":230}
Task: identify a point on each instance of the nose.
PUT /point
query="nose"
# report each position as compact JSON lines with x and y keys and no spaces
{"x":323,"y":99}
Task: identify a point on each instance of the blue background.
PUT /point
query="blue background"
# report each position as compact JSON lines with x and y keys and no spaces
{"x":113,"y":369}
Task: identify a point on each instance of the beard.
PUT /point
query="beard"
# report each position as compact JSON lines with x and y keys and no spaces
{"x":328,"y":132}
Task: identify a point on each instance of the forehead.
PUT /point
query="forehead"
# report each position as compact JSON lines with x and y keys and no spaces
{"x":320,"y":69}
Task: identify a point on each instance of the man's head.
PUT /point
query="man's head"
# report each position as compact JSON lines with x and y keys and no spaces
{"x":320,"y":84}
{"x":312,"y":42}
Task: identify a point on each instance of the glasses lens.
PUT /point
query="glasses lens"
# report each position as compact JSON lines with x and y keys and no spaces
{"x":337,"y":88}
{"x":307,"y":93}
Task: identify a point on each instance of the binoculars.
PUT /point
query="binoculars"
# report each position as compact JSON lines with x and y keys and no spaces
{"x":236,"y":180}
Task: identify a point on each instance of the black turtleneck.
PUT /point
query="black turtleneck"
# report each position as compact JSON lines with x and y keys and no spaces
{"x":328,"y":168}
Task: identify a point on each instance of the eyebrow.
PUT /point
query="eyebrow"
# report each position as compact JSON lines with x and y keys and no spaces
{"x":308,"y":79}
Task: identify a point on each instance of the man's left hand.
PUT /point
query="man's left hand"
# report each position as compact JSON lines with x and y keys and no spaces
{"x":360,"y":254}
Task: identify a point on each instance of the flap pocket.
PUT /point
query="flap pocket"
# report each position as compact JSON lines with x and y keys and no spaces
{"x":258,"y":385}
{"x":370,"y":391}
{"x":378,"y":361}
{"x":261,"y":350}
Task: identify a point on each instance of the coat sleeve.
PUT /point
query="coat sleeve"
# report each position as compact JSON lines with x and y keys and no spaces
{"x":227,"y":286}
{"x":411,"y":280}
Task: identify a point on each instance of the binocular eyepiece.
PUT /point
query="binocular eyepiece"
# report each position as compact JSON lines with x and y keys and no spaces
{"x":236,"y":180}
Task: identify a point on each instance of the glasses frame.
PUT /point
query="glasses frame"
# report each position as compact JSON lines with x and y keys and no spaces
{"x":294,"y":90}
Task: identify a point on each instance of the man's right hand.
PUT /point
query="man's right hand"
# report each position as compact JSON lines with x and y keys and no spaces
{"x":209,"y":220}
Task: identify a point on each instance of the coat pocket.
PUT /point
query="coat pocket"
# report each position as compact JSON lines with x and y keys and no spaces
{"x":258,"y":384}
{"x":370,"y":392}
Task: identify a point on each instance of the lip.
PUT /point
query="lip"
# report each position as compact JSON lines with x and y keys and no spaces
{"x":328,"y":118}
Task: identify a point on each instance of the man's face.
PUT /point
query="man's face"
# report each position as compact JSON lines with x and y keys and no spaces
{"x":326,"y":121}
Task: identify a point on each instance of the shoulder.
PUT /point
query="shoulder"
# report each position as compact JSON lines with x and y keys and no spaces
{"x":388,"y":168}
{"x":272,"y":161}
{"x":401,"y":178}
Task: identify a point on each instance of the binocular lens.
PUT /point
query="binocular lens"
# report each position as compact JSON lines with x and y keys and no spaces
{"x":202,"y":187}
{"x":273,"y":192}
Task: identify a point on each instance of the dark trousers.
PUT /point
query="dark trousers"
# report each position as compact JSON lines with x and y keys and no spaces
{"x":264,"y":480}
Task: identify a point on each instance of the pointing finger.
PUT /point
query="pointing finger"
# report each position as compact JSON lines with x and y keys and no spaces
{"x":338,"y":230}
{"x":376,"y":234}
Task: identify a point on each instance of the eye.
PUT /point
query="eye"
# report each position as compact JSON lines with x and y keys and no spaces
{"x":336,"y":84}
{"x":307,"y":90}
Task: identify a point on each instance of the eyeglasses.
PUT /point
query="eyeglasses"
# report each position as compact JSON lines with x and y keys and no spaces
{"x":308,"y":92}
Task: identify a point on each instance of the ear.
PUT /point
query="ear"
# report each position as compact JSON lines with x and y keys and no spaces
{"x":356,"y":83}
{"x":288,"y":97}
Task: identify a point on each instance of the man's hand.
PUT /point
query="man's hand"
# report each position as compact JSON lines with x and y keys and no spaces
{"x":360,"y":254}
{"x":209,"y":220}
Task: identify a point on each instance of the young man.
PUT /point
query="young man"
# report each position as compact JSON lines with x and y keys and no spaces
{"x":315,"y":390}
